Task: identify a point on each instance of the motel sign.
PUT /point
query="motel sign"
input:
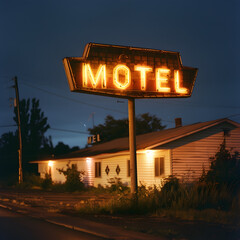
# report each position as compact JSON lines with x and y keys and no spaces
{"x":129,"y":72}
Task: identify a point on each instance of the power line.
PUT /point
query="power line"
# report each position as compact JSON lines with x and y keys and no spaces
{"x":71,"y":99}
{"x":68,"y":130}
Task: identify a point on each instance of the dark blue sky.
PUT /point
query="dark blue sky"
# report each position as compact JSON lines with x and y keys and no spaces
{"x":36,"y":35}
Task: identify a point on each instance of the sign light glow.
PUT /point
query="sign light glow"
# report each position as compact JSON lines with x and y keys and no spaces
{"x":143,"y":71}
{"x":129,"y":72}
{"x":88,"y":74}
{"x":162,"y":76}
{"x":116,"y":76}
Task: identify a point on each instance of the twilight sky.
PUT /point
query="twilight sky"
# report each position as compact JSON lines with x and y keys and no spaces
{"x":36,"y":35}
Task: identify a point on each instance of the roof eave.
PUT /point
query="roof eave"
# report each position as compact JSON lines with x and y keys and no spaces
{"x":192,"y":132}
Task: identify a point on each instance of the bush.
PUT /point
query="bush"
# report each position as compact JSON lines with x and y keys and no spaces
{"x":225,"y":169}
{"x":47,"y":182}
{"x":117,"y":185}
{"x":30,"y":181}
{"x":73,"y":178}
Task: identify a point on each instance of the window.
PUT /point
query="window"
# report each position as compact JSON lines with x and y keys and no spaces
{"x":98,"y":170}
{"x":128,"y":168}
{"x":159,"y":166}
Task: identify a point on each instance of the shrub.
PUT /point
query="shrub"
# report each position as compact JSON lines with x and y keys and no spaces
{"x":47,"y":182}
{"x":225,"y":169}
{"x":73,"y":178}
{"x":117,"y":185}
{"x":30,"y":181}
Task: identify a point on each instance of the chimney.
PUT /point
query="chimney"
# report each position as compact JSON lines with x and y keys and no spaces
{"x":178,"y":122}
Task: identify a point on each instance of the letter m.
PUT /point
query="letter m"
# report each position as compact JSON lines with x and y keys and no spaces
{"x":88,"y":75}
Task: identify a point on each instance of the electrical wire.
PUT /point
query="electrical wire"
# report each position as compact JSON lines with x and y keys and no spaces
{"x":71,"y":99}
{"x":68,"y":130}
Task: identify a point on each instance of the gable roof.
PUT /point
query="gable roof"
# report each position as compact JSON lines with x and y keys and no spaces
{"x":145,"y":141}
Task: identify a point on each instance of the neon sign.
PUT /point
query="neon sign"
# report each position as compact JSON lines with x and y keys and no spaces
{"x":129,"y":72}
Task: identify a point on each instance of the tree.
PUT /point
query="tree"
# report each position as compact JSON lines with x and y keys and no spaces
{"x":9,"y":157}
{"x":113,"y":128}
{"x":62,"y":148}
{"x":33,"y":127}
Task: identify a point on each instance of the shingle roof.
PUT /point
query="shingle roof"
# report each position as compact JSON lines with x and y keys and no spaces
{"x":145,"y":141}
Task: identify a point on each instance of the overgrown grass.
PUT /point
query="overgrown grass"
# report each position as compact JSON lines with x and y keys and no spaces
{"x":199,"y":201}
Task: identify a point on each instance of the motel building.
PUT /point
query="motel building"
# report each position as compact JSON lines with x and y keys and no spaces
{"x":183,"y":151}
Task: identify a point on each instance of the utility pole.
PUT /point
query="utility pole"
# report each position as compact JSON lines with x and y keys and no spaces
{"x":20,"y":173}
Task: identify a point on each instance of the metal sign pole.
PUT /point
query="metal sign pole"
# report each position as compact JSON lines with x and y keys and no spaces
{"x":132,"y":145}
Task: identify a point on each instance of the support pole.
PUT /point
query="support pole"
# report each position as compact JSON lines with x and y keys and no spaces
{"x":132,"y":146}
{"x":20,"y":173}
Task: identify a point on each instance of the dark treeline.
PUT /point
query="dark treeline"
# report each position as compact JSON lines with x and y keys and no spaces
{"x":34,"y":126}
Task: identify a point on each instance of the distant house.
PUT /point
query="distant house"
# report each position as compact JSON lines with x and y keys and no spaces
{"x":182,"y":151}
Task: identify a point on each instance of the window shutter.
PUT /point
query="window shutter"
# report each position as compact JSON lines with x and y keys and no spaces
{"x":161,"y":165}
{"x":157,"y":167}
{"x":128,"y":168}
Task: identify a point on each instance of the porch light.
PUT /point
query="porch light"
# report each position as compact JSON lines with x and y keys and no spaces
{"x":149,"y":153}
{"x":50,"y":163}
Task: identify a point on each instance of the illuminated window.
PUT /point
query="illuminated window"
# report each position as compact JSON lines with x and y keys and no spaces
{"x":178,"y":89}
{"x":98,"y":171}
{"x":162,"y":76}
{"x":128,"y":168}
{"x":159,"y":166}
{"x":121,"y":76}
{"x":143,"y":71}
{"x":88,"y":74}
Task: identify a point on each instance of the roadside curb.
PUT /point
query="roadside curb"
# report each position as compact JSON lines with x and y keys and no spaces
{"x":79,"y":229}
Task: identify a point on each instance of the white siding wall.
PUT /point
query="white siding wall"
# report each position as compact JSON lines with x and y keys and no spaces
{"x":83,"y":165}
{"x":189,"y":159}
{"x":42,"y":169}
{"x":112,"y":165}
{"x":146,"y":167}
{"x":145,"y":163}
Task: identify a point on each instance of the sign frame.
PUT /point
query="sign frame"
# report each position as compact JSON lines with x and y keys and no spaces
{"x":163,"y":66}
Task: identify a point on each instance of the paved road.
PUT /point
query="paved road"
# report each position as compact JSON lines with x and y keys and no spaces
{"x":15,"y":226}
